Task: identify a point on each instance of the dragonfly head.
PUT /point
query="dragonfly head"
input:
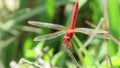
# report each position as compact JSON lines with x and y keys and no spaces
{"x":67,"y":40}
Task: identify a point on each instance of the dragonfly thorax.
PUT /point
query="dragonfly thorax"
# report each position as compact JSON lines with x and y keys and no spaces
{"x":68,"y":36}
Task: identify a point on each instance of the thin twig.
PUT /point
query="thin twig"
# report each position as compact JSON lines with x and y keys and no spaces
{"x":113,"y":38}
{"x":109,"y":59}
{"x":71,"y":56}
{"x":107,"y":34}
{"x":92,"y":25}
{"x":110,"y":36}
{"x":28,"y":62}
{"x":94,"y":33}
{"x":43,"y":63}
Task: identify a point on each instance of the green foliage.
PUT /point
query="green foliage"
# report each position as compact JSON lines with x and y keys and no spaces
{"x":16,"y":35}
{"x":114,"y":16}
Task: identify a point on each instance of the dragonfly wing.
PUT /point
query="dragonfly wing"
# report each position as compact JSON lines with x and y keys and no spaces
{"x":47,"y":25}
{"x":99,"y":33}
{"x":49,"y":36}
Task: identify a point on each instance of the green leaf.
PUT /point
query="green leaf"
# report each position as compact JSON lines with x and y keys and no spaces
{"x":30,"y":53}
{"x":114,"y":19}
{"x":28,"y":44}
{"x":50,"y":4}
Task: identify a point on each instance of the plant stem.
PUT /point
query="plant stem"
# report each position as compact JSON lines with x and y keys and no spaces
{"x":71,"y":56}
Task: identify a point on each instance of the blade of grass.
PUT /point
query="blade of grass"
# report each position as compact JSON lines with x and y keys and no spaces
{"x":114,"y":19}
{"x":94,"y":33}
{"x":85,"y":51}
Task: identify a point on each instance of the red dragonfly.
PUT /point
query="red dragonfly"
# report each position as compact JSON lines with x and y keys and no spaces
{"x":68,"y":32}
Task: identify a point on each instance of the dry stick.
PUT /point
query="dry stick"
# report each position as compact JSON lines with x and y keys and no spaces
{"x":113,"y":38}
{"x":71,"y":56}
{"x":110,"y":36}
{"x":94,"y":33}
{"x":92,"y":25}
{"x":31,"y":63}
{"x":109,"y":59}
{"x":90,"y":39}
{"x":106,"y":14}
{"x":107,"y":34}
{"x":107,"y":20}
{"x":43,"y":63}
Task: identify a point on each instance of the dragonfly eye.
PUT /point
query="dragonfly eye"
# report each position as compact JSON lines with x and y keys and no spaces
{"x":67,"y":39}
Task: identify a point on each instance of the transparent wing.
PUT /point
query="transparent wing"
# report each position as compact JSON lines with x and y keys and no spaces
{"x":47,"y":25}
{"x":99,"y":33}
{"x":49,"y":36}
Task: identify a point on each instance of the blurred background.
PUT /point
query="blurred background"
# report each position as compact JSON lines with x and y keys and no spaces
{"x":18,"y":50}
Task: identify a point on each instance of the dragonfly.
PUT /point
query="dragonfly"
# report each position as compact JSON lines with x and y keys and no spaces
{"x":69,"y":32}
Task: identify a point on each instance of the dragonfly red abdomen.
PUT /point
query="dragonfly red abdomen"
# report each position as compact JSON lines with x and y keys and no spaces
{"x":68,"y":36}
{"x":70,"y":31}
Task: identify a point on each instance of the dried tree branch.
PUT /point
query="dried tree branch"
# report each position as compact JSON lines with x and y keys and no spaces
{"x":94,"y":33}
